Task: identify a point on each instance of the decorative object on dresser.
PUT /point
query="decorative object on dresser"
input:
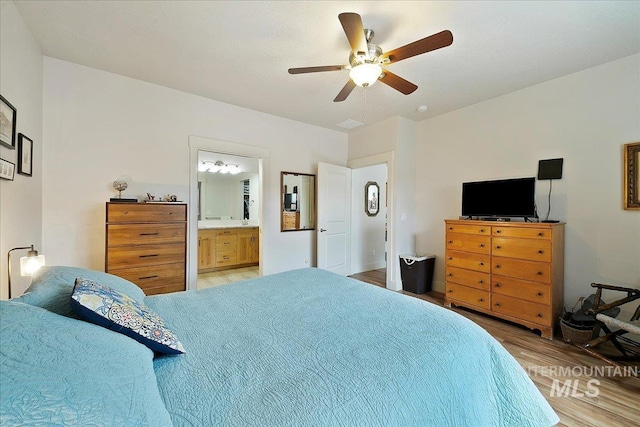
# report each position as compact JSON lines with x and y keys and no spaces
{"x":120,"y":185}
{"x":514,"y":271}
{"x":146,"y":244}
{"x":8,"y":115}
{"x":224,"y":248}
{"x":632,"y":175}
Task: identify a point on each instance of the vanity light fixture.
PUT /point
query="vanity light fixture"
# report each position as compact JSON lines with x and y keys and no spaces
{"x":219,"y":167}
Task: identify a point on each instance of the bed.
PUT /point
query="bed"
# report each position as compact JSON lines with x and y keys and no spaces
{"x":300,"y":348}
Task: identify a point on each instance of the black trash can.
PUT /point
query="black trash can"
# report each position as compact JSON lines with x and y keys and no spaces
{"x":416,"y":272}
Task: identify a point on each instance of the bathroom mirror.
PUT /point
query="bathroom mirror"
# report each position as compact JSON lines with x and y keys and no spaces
{"x":297,"y":201}
{"x":371,"y":198}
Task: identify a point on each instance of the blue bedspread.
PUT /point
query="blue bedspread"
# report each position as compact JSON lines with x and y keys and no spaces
{"x":310,"y":348}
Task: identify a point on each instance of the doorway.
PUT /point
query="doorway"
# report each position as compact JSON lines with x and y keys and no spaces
{"x":369,"y":219}
{"x":249,"y":234}
{"x":228,"y":220}
{"x":329,"y":202}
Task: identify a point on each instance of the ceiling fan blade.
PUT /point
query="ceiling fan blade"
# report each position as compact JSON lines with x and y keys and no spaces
{"x":398,"y":83}
{"x":352,"y":25}
{"x":427,"y":44}
{"x":346,"y":90}
{"x":304,"y":70}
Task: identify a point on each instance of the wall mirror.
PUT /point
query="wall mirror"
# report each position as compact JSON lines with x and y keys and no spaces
{"x":228,"y":194}
{"x":297,"y":201}
{"x":372,"y":198}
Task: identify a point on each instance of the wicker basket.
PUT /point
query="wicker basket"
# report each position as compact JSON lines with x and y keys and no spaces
{"x":575,"y":335}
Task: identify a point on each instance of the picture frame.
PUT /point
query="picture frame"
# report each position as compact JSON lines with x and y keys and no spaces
{"x":8,"y":117}
{"x":25,"y":155}
{"x":631,"y":159}
{"x":7,"y":170}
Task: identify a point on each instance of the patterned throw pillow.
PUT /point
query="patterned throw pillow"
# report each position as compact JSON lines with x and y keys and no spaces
{"x":115,"y":310}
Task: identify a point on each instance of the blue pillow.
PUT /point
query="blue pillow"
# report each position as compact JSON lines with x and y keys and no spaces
{"x":51,"y":288}
{"x":117,"y":311}
{"x":65,"y":372}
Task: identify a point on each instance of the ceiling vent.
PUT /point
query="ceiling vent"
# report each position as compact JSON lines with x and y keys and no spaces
{"x":349,"y":124}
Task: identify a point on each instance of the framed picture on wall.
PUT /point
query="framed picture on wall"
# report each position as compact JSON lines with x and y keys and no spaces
{"x":7,"y":169}
{"x":631,"y":160}
{"x":25,"y":155}
{"x":7,"y":123}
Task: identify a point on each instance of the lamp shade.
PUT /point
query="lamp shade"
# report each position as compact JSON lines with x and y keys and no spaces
{"x":365,"y":74}
{"x":29,"y":264}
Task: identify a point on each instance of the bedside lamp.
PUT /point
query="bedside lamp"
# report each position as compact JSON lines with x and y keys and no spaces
{"x":28,"y":264}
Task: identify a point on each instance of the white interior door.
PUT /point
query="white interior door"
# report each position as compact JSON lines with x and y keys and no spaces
{"x":334,"y":218}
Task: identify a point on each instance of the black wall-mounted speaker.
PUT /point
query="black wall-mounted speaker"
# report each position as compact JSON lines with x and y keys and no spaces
{"x":550,"y":169}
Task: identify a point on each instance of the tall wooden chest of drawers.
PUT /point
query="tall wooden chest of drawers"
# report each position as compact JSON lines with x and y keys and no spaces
{"x":511,"y":270}
{"x":146,"y":243}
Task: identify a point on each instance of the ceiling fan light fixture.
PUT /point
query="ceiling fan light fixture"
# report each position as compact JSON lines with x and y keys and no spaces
{"x":365,"y":74}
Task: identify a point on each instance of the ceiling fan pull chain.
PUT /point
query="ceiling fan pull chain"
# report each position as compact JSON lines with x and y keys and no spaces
{"x":364,"y":106}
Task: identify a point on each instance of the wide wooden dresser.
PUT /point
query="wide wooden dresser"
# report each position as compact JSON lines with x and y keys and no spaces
{"x":146,"y":243}
{"x":510,"y":270}
{"x":224,"y":248}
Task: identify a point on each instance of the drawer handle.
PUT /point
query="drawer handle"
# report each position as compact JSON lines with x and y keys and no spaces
{"x":498,"y":285}
{"x":148,"y":256}
{"x":482,"y":263}
{"x":481,"y":299}
{"x":498,"y":231}
{"x":539,"y":294}
{"x":225,"y":257}
{"x":497,"y":304}
{"x":482,"y":245}
{"x":450,"y":274}
{"x":497,"y":265}
{"x":540,"y":273}
{"x":226,"y":243}
{"x":498,"y":247}
{"x":149,"y":234}
{"x":539,"y":314}
{"x":450,"y":258}
{"x":541,"y":234}
{"x":481,"y":281}
{"x":450,"y":241}
{"x":147,"y":277}
{"x":450,"y":228}
{"x":540,"y":251}
{"x":482,"y":230}
{"x":450,"y":290}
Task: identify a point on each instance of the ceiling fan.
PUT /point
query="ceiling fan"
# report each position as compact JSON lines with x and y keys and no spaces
{"x":367,"y":59}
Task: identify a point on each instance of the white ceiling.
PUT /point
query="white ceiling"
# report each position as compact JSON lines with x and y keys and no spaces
{"x":239,"y":52}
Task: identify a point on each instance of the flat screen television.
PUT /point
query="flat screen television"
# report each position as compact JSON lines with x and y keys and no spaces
{"x":505,"y":198}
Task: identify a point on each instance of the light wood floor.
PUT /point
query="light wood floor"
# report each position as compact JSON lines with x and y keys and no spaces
{"x":618,"y":399}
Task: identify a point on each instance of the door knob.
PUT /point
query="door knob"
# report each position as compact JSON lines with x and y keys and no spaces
{"x":322,"y":230}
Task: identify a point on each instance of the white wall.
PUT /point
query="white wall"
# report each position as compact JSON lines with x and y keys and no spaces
{"x":367,"y":232}
{"x":98,"y":126}
{"x":20,"y":199}
{"x":396,"y":135}
{"x":585,"y":118}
